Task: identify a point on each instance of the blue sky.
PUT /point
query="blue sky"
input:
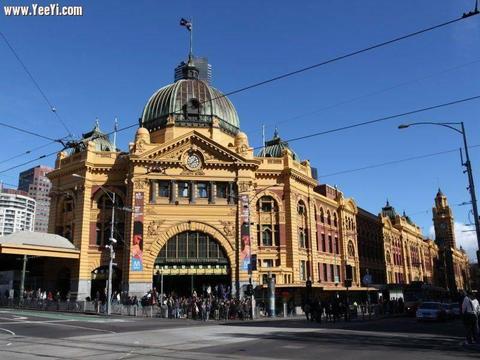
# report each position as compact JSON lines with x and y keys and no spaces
{"x":108,"y":62}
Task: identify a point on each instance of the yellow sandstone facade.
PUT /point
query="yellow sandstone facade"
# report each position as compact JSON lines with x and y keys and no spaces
{"x":194,"y":204}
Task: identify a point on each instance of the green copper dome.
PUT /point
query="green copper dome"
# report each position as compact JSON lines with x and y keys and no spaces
{"x":275,"y":148}
{"x":190,"y":102}
{"x":100,"y":139}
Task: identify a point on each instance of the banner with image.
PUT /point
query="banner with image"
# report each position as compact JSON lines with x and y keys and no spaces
{"x":137,"y":240}
{"x":246,"y":250}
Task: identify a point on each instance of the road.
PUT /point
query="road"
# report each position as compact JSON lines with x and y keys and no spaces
{"x":40,"y":335}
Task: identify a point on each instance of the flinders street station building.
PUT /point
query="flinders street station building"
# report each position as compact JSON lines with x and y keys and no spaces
{"x":194,"y":205}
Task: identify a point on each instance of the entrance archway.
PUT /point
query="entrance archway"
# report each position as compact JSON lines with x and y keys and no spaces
{"x":192,"y":261}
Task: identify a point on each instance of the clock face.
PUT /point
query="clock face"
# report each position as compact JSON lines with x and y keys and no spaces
{"x":193,"y":161}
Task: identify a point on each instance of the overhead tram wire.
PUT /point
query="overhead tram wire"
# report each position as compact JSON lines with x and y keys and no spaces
{"x":71,"y":144}
{"x":348,"y":55}
{"x":373,"y":93}
{"x":393,"y":162}
{"x":67,"y":145}
{"x":27,"y":152}
{"x":27,"y":132}
{"x":390,"y":117}
{"x":28,"y":162}
{"x":37,"y":85}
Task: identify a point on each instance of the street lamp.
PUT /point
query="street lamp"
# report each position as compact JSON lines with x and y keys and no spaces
{"x":460,"y":128}
{"x":112,"y":240}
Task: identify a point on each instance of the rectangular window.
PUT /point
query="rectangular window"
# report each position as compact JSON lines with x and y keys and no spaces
{"x":182,"y":245}
{"x":222,"y":190}
{"x":303,"y":270}
{"x":267,"y":263}
{"x":266,"y":235}
{"x":164,"y":189}
{"x":183,"y":189}
{"x":301,"y":238}
{"x":337,"y":250}
{"x":332,"y":274}
{"x":172,"y":247}
{"x":276,"y":236}
{"x":212,"y":249}
{"x":202,"y":190}
{"x":325,"y":272}
{"x":202,"y":245}
{"x":337,"y":280}
{"x":319,"y":272}
{"x":192,"y":246}
{"x":266,"y":205}
{"x":330,"y":245}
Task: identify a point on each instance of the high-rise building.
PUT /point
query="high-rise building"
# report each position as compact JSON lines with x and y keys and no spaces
{"x":17,"y":211}
{"x":34,"y":182}
{"x":203,"y":67}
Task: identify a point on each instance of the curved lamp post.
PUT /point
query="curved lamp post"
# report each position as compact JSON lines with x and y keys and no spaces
{"x":460,"y":128}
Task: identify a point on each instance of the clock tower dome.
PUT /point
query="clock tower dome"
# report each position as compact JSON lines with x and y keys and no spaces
{"x":443,"y":222}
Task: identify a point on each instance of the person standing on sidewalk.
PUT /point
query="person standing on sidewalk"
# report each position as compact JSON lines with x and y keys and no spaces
{"x":470,"y":317}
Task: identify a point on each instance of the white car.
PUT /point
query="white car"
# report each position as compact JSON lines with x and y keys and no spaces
{"x":431,"y":311}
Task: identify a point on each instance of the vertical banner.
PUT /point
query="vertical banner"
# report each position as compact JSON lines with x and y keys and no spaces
{"x":137,"y":241}
{"x":246,"y":250}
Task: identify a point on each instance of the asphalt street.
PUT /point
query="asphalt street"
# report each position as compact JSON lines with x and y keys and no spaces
{"x":41,"y":335}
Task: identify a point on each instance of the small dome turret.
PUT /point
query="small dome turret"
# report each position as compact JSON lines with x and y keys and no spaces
{"x":276,"y":147}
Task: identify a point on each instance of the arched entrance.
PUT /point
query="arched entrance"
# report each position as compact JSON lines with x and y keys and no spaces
{"x":192,"y":261}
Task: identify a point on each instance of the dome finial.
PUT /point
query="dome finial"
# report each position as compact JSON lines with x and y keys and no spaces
{"x":275,"y":133}
{"x":387,"y":204}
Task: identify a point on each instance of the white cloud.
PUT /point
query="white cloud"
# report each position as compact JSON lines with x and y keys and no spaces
{"x":464,"y":237}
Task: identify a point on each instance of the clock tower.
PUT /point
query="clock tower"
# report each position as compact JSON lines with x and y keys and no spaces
{"x":443,"y":222}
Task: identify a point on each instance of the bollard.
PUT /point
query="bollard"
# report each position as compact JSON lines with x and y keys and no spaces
{"x":285,"y":310}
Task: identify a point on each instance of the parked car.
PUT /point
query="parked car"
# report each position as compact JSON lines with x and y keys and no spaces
{"x":431,"y":311}
{"x":449,"y":311}
{"x":455,"y":308}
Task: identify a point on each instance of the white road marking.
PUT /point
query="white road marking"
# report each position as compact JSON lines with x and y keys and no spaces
{"x":8,"y":331}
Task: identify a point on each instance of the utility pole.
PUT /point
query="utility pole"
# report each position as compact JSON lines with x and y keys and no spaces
{"x":22,"y":281}
{"x":112,"y":257}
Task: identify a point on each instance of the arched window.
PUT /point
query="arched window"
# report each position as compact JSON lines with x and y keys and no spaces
{"x":351,"y":249}
{"x":322,"y":215}
{"x":335,"y":222}
{"x":268,"y":228}
{"x":329,"y":219}
{"x":302,"y":225}
{"x":267,"y":204}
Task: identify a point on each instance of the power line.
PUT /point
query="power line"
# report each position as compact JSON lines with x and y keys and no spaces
{"x":390,"y":117}
{"x":50,"y":105}
{"x":380,"y":91}
{"x":392,"y":162}
{"x":27,"y":152}
{"x":345,"y":56}
{"x":29,"y":162}
{"x":27,"y":131}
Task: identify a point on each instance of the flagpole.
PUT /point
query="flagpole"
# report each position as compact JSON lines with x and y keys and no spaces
{"x":190,"y":56}
{"x":115,"y":135}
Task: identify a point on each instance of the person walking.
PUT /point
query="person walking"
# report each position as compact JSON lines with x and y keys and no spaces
{"x":470,"y":310}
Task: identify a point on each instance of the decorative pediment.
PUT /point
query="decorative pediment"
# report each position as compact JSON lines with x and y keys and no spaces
{"x":184,"y":149}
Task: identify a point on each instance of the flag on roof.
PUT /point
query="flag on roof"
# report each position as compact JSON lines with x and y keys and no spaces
{"x":186,"y":23}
